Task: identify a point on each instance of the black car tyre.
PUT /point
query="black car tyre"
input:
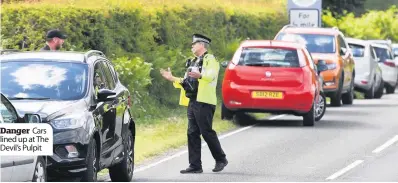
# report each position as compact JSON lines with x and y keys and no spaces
{"x":380,"y":91}
{"x":335,"y":100}
{"x":243,"y":119}
{"x":226,"y":114}
{"x":123,"y":171}
{"x":90,"y":175}
{"x":390,"y":89}
{"x":309,"y":118}
{"x":348,"y":98}
{"x":371,"y":92}
{"x":40,"y":173}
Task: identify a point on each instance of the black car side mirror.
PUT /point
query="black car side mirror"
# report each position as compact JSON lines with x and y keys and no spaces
{"x":105,"y":95}
{"x":224,"y":64}
{"x":321,"y":66}
{"x":32,"y":118}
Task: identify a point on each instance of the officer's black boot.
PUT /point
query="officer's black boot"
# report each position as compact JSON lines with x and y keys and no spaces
{"x":192,"y":170}
{"x":220,"y":165}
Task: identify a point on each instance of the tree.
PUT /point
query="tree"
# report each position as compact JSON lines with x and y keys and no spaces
{"x":338,"y":6}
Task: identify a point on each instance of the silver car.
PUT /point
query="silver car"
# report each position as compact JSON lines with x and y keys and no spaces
{"x":388,"y":65}
{"x":368,"y":73}
{"x":20,"y":168}
{"x":395,"y":50}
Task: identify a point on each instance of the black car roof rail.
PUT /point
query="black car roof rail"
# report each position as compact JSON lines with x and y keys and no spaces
{"x":91,"y":53}
{"x":8,"y":51}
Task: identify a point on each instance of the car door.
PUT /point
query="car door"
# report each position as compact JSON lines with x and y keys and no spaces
{"x":105,"y":113}
{"x":12,"y":166}
{"x":375,"y":66}
{"x":347,"y":60}
{"x":6,"y":116}
{"x":120,"y":100}
{"x":115,"y":114}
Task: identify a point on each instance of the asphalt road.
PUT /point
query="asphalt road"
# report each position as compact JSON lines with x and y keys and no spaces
{"x":351,"y":143}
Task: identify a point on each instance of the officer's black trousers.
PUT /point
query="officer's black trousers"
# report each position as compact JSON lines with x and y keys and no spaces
{"x":200,"y":122}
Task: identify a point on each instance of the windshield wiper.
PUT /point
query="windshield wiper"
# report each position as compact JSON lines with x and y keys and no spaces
{"x":32,"y":98}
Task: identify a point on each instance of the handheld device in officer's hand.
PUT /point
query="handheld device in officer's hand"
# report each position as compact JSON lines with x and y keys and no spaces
{"x":188,"y":63}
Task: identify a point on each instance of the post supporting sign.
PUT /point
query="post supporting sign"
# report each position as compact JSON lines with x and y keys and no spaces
{"x":305,"y":13}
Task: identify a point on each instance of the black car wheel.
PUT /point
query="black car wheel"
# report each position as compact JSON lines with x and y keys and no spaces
{"x":226,"y":114}
{"x":123,"y":171}
{"x":348,"y":98}
{"x":335,"y":100}
{"x":390,"y":89}
{"x":90,"y":175}
{"x":309,"y":118}
{"x":40,"y":174}
{"x":371,"y":92}
{"x":380,"y":91}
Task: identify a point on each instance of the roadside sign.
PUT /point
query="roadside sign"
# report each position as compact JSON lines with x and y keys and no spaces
{"x":305,"y":13}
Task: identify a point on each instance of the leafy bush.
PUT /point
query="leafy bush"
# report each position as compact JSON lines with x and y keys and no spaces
{"x":139,"y":40}
{"x":135,"y":75}
{"x":372,"y":25}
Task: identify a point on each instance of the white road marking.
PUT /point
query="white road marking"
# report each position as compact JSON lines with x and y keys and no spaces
{"x":203,"y":144}
{"x":344,"y":170}
{"x":385,"y":145}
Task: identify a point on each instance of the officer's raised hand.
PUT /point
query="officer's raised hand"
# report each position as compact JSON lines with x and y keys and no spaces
{"x":167,"y":74}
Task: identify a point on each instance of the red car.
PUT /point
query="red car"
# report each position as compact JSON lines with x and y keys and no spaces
{"x":275,"y":77}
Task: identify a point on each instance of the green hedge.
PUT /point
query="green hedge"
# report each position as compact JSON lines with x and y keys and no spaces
{"x":372,"y":25}
{"x":139,"y":42}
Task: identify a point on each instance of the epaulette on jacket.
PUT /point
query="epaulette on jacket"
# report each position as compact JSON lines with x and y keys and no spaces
{"x":210,"y":56}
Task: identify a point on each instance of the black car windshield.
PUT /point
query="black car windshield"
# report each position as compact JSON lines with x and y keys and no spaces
{"x":43,"y":80}
{"x":315,"y":43}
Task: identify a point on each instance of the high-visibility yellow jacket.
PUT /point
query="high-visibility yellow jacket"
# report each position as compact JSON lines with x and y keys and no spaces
{"x":207,"y":84}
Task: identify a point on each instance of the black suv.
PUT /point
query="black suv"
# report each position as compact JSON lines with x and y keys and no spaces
{"x":82,"y":98}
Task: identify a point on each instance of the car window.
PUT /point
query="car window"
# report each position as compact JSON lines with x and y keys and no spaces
{"x":383,"y":54}
{"x":35,"y":78}
{"x":108,"y":76}
{"x":114,"y":74}
{"x":315,"y":43}
{"x":269,"y":57}
{"x":99,"y":77}
{"x":342,"y":42}
{"x":7,"y":112}
{"x":357,"y":50}
{"x":395,"y":51}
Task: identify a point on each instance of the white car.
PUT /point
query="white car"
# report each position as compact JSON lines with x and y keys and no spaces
{"x":19,"y":168}
{"x":383,"y":42}
{"x":368,"y":74}
{"x":388,"y":65}
{"x":395,"y":50}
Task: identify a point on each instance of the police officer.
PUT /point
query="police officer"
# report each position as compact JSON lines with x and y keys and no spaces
{"x":54,"y":40}
{"x":198,"y":93}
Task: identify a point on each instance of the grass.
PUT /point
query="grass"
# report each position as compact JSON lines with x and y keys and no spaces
{"x":247,"y":6}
